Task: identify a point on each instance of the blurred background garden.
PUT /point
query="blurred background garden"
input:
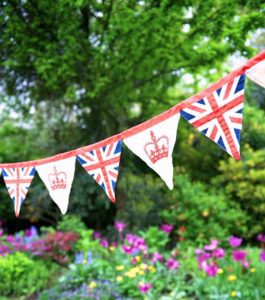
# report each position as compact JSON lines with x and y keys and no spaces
{"x":73,"y":72}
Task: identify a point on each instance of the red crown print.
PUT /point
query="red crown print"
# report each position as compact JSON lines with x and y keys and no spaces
{"x":158,"y":148}
{"x":57,"y":180}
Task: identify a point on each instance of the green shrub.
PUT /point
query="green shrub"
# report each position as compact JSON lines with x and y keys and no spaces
{"x":22,"y":276}
{"x":70,"y":223}
{"x":202,"y":213}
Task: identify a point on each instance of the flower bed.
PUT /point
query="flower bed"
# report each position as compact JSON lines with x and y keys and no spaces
{"x":144,"y":265}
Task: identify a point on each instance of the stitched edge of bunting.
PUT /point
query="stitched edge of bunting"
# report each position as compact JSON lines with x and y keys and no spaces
{"x":147,"y":124}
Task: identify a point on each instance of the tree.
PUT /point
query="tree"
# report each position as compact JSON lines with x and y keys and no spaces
{"x":84,"y":66}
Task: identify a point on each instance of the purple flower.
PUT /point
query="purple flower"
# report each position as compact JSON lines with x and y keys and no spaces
{"x":1,"y":232}
{"x":211,"y":270}
{"x":239,"y":255}
{"x":104,"y":243}
{"x":261,"y":237}
{"x":198,"y":251}
{"x":262,"y":256}
{"x":167,"y":228}
{"x":235,"y":241}
{"x":212,"y":246}
{"x":172,"y":264}
{"x":219,"y":253}
{"x":157,"y":257}
{"x":128,"y":249}
{"x":245,"y":264}
{"x":120,"y":226}
{"x":96,"y":235}
{"x":1,"y":223}
{"x":144,"y":287}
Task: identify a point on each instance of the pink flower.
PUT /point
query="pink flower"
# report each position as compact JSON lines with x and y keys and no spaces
{"x":245,"y":264}
{"x":172,"y":264}
{"x":157,"y":257}
{"x":211,"y":270}
{"x":127,"y":249}
{"x":239,"y":255}
{"x":219,"y":253}
{"x":97,"y":235}
{"x":235,"y":241}
{"x":144,"y":287}
{"x":261,"y":237}
{"x":262,"y":256}
{"x":104,"y":243}
{"x":167,"y":228}
{"x":120,"y":226}
{"x":212,"y":246}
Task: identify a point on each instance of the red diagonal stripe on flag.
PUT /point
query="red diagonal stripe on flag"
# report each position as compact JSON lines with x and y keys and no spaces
{"x":217,"y":111}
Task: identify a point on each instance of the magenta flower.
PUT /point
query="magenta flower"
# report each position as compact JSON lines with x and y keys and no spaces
{"x":120,"y":226}
{"x":261,"y":237}
{"x":96,"y":235}
{"x":172,"y":264}
{"x":127,"y":249}
{"x":198,"y":251}
{"x":219,"y":253}
{"x":262,"y":256}
{"x":1,"y":232}
{"x":235,"y":241}
{"x":104,"y":243}
{"x":167,"y":228}
{"x":157,"y":257}
{"x":239,"y":255}
{"x":245,"y":264}
{"x":211,"y":270}
{"x":144,"y":287}
{"x":212,"y":246}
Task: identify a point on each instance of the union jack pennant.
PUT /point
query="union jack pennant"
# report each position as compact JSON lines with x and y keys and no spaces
{"x":219,"y":115}
{"x":17,"y":182}
{"x":103,"y":165}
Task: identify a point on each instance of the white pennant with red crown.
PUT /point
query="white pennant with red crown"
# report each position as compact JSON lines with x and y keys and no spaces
{"x":155,"y":146}
{"x":58,"y":177}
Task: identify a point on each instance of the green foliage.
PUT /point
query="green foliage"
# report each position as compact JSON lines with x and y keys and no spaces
{"x":70,"y":223}
{"x":243,"y":182}
{"x":205,"y":213}
{"x":22,"y":276}
{"x":86,"y":243}
{"x":155,"y":238}
{"x":140,"y":198}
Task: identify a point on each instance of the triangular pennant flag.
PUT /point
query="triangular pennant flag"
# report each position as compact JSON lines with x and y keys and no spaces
{"x":219,"y":115}
{"x":17,"y":181}
{"x":155,"y":146}
{"x":58,"y":178}
{"x":103,"y":165}
{"x":257,"y":73}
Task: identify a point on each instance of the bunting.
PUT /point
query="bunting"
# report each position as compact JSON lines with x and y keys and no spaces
{"x":58,"y":177}
{"x":257,"y":73}
{"x":18,"y":181}
{"x":219,"y":115}
{"x":103,"y":165}
{"x":216,"y":112}
{"x":155,"y":146}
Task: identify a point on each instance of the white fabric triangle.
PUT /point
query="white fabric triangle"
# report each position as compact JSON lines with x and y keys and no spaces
{"x":58,"y":177}
{"x":155,"y":146}
{"x":257,"y":73}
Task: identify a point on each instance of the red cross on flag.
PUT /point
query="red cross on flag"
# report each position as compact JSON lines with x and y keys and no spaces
{"x":17,"y":181}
